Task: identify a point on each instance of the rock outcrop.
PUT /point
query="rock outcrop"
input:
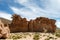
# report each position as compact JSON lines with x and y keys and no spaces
{"x":18,"y":24}
{"x":45,"y":24}
{"x":4,"y":30}
{"x":40,"y":24}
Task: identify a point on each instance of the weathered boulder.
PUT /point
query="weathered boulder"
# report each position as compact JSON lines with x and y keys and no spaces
{"x":4,"y":30}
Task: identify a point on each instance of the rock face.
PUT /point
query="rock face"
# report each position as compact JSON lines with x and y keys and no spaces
{"x":43,"y":24}
{"x":18,"y":24}
{"x":4,"y":30}
{"x":40,"y":24}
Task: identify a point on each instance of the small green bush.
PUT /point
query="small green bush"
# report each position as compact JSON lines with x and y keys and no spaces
{"x":58,"y":34}
{"x":47,"y":39}
{"x":36,"y":37}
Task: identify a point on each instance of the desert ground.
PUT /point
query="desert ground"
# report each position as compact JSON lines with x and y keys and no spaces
{"x":35,"y":36}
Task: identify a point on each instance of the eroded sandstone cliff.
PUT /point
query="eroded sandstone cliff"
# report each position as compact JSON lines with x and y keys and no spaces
{"x":40,"y":24}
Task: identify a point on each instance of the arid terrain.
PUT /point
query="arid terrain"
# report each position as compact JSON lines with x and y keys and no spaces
{"x":35,"y":36}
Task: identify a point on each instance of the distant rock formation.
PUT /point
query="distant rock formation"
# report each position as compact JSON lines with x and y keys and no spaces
{"x":40,"y":24}
{"x":4,"y":30}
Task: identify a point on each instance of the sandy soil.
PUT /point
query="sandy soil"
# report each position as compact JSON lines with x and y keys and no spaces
{"x":30,"y":36}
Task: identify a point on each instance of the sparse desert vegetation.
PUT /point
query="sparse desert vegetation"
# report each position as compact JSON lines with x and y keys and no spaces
{"x":34,"y":36}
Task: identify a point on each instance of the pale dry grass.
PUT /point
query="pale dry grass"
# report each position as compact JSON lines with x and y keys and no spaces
{"x":34,"y":36}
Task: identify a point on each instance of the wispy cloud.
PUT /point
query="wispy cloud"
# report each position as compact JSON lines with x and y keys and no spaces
{"x":5,"y":15}
{"x":24,"y":13}
{"x":37,"y":10}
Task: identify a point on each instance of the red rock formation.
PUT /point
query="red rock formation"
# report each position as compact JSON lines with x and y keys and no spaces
{"x":18,"y":24}
{"x":40,"y":24}
{"x":48,"y":24}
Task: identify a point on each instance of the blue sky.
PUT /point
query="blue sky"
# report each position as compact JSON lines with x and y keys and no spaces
{"x":31,"y":9}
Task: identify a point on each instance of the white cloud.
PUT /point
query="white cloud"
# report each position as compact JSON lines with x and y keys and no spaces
{"x":22,"y":1}
{"x":5,"y":15}
{"x":58,"y":24}
{"x":24,"y":13}
{"x":52,"y":5}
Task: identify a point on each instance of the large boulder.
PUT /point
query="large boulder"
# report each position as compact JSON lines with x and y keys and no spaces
{"x":4,"y":30}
